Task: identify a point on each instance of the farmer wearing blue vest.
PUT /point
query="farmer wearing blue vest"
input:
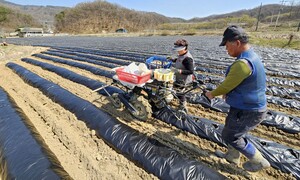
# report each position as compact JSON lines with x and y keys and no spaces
{"x":244,"y":90}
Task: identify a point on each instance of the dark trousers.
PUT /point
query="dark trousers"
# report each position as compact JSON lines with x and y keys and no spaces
{"x":181,"y":96}
{"x":238,"y":123}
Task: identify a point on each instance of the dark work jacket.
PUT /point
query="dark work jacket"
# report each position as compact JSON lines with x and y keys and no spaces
{"x":182,"y":61}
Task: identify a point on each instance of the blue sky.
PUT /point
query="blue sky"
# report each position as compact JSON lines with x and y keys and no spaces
{"x":186,"y":9}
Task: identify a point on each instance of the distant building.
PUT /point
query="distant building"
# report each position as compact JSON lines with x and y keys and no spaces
{"x":121,"y":30}
{"x":27,"y":32}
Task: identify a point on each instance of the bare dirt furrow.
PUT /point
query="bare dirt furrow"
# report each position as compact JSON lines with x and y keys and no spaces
{"x":82,"y":62}
{"x":78,"y":70}
{"x":186,"y":143}
{"x":81,"y":153}
{"x":290,"y":111}
{"x":270,"y":133}
{"x":40,"y":112}
{"x":85,"y":156}
{"x":269,"y":84}
{"x":285,"y":86}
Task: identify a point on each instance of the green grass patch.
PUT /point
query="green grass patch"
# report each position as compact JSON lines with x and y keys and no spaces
{"x":278,"y":42}
{"x":190,"y":32}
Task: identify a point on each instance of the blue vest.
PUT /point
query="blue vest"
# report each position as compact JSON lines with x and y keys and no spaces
{"x":251,"y":93}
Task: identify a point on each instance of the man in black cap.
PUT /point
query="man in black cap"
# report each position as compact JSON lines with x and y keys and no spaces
{"x":184,"y":67}
{"x":244,"y":89}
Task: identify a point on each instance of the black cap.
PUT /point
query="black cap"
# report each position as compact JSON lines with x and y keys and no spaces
{"x":234,"y":32}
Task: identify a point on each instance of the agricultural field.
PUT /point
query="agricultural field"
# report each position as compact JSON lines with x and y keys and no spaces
{"x":50,"y":81}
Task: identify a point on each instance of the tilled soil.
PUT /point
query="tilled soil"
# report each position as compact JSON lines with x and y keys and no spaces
{"x":85,"y":156}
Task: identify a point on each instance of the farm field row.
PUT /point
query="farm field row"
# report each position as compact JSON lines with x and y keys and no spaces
{"x":84,"y":155}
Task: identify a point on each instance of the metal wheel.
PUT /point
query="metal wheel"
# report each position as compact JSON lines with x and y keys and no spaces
{"x":144,"y":110}
{"x":116,"y":101}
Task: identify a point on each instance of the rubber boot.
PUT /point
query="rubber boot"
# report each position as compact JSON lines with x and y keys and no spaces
{"x":232,"y":155}
{"x":256,"y":161}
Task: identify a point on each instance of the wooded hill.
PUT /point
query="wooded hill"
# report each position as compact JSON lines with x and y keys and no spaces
{"x":268,"y":13}
{"x":10,"y":20}
{"x":288,"y":19}
{"x":101,"y":16}
{"x":44,"y":15}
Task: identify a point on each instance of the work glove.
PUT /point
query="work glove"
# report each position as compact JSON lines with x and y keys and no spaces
{"x":171,"y":59}
{"x":176,"y":71}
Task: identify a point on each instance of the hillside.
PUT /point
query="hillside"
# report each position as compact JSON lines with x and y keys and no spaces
{"x":101,"y":16}
{"x":288,"y":13}
{"x":42,"y":14}
{"x":10,"y":20}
